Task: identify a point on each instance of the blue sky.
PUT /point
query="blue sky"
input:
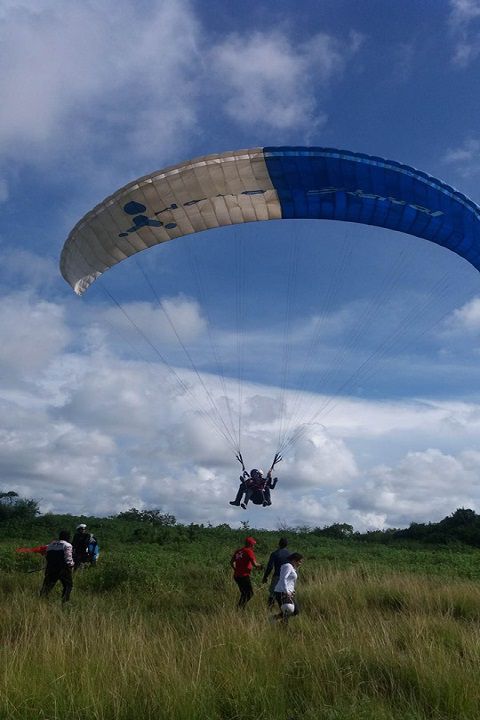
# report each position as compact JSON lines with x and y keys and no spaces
{"x":96,"y":94}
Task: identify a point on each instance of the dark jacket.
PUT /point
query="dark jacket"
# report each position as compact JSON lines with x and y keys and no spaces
{"x":275,"y":562}
{"x":59,"y":556}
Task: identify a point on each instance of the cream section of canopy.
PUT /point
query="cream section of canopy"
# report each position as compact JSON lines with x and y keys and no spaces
{"x":205,"y":193}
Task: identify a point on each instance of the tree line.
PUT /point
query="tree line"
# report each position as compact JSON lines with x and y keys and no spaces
{"x":462,"y":526}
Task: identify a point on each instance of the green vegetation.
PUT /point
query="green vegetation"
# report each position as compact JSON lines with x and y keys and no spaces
{"x":389,"y":630}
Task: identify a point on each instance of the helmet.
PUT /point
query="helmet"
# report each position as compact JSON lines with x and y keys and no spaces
{"x":288,"y":608}
{"x":256,"y":472}
{"x":81,"y":527}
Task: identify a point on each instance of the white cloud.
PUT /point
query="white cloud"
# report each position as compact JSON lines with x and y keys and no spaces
{"x":467,"y":317}
{"x":22,"y":268}
{"x":271,"y":82}
{"x":86,"y":431}
{"x":85,"y":77}
{"x":162,"y":323}
{"x":423,"y":486}
{"x":462,"y":19}
{"x":126,"y":81}
{"x":33,"y":332}
{"x":465,"y":158}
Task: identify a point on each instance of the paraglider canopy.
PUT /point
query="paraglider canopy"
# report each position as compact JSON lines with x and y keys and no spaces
{"x":270,"y":183}
{"x":265,"y":184}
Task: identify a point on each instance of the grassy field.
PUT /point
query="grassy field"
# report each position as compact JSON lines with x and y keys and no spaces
{"x":386,"y":633}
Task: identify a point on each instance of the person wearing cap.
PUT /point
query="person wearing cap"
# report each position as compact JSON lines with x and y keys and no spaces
{"x":80,"y":543}
{"x":285,"y":587}
{"x":275,"y":562}
{"x":59,"y":565}
{"x":243,"y":561}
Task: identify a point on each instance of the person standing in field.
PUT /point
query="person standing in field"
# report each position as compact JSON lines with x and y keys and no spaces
{"x":80,"y":544}
{"x":242,"y":562}
{"x":285,"y":587}
{"x":275,"y":562}
{"x":59,"y":566}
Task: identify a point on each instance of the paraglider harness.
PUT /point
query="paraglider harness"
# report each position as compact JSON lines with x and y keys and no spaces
{"x":256,"y":486}
{"x":93,"y":550}
{"x":86,"y":552}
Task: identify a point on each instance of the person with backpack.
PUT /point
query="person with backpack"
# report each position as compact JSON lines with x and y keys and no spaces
{"x":84,"y":547}
{"x":59,"y":566}
{"x":93,"y":550}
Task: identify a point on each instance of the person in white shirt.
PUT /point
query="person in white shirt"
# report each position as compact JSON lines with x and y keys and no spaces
{"x":285,"y":587}
{"x":59,"y":566}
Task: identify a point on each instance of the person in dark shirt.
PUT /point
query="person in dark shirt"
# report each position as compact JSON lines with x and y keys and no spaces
{"x":80,"y":543}
{"x":59,"y":566}
{"x":275,"y":562}
{"x":242,"y":562}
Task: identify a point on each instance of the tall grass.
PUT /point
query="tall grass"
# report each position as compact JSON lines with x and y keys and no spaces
{"x":367,"y":645}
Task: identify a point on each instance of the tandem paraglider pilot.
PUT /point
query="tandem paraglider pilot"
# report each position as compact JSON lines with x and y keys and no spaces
{"x":256,"y":488}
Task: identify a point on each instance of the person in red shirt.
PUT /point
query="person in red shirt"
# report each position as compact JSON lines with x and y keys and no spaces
{"x":242,"y":562}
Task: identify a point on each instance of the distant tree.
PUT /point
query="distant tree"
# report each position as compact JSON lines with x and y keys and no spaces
{"x":382,"y":536}
{"x":154,"y":517}
{"x":460,"y":518}
{"x":461,"y":526}
{"x":14,"y":507}
{"x":8,"y":497}
{"x":338,"y":531}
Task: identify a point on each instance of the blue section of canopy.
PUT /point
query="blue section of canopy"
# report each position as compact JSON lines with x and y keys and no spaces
{"x":314,"y":182}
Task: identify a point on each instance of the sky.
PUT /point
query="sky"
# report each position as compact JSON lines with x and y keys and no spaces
{"x":361,"y":342}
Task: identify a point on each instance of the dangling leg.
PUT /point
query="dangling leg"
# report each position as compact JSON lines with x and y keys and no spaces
{"x":248,"y":495}
{"x":240,"y":492}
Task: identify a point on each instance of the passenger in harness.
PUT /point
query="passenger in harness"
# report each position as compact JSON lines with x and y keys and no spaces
{"x":256,"y":488}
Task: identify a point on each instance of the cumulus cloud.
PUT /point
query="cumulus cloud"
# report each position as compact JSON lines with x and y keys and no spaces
{"x":270,"y":81}
{"x":464,"y":23}
{"x":422,"y":486}
{"x":82,"y":76}
{"x":128,"y":81}
{"x":85,"y":430}
{"x":169,"y":322}
{"x":33,"y":332}
{"x":22,"y":268}
{"x":467,"y":317}
{"x":104,"y":92}
{"x":465,"y":158}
